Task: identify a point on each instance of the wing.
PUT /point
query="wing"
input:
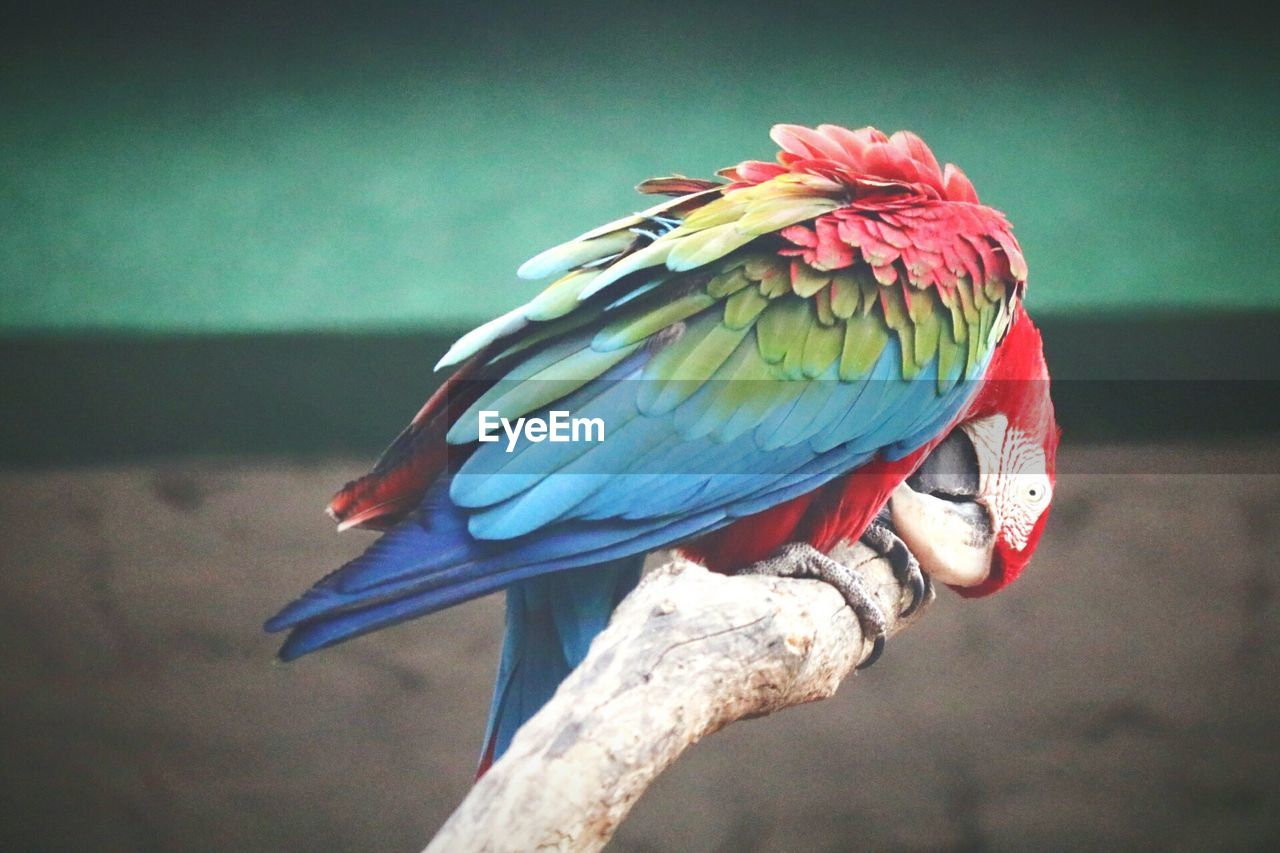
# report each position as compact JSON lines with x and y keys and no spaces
{"x":739,"y":355}
{"x":417,"y":457}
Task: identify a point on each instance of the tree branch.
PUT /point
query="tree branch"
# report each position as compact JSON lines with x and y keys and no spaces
{"x":687,"y":653}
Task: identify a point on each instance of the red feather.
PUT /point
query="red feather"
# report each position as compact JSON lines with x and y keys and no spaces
{"x":413,"y":461}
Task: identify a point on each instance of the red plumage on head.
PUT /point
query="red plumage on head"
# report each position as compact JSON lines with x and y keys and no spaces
{"x":866,"y":160}
{"x":901,"y":206}
{"x":1017,"y":386}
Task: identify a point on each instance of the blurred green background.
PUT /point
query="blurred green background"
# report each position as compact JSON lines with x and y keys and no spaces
{"x":261,"y":169}
{"x":241,"y":227}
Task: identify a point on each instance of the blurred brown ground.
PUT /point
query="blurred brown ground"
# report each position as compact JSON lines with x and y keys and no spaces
{"x":1122,"y":694}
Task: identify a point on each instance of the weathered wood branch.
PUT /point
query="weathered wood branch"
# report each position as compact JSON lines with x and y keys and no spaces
{"x":687,"y":653}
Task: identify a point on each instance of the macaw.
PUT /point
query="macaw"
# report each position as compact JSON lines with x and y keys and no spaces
{"x":774,"y":357}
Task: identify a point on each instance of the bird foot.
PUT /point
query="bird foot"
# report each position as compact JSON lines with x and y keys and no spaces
{"x":879,"y":537}
{"x":801,"y":560}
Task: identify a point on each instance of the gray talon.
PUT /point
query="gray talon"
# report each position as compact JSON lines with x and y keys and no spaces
{"x":881,"y":539}
{"x":801,"y":560}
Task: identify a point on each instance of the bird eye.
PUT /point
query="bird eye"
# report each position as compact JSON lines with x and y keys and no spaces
{"x":1036,"y":492}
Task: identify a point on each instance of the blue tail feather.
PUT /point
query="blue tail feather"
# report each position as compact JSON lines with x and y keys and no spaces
{"x":332,"y":619}
{"x":551,"y":621}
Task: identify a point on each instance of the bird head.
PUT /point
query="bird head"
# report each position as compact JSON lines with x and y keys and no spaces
{"x":974,"y":511}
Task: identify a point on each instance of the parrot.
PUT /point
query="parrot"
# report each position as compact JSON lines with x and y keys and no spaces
{"x":776,"y":355}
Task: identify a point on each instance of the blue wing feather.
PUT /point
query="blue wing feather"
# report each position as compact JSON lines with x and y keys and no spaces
{"x":479,"y":531}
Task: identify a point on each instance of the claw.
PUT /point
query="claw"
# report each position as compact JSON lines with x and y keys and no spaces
{"x":880,"y":538}
{"x":877,"y":649}
{"x":800,"y":560}
{"x":921,"y":592}
{"x":917,"y":594}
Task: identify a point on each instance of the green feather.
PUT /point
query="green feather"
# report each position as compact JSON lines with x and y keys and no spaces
{"x":560,"y":297}
{"x":974,"y":353}
{"x":980,"y":298}
{"x":964,"y":287}
{"x":725,"y":209}
{"x":702,"y":247}
{"x":760,"y":267}
{"x":995,"y":289}
{"x":870,"y":289}
{"x":776,"y":283}
{"x":926,"y":316}
{"x":988,"y":320}
{"x":741,"y":309}
{"x":770,"y":214}
{"x":728,"y":282}
{"x":822,"y":303}
{"x":682,"y":366}
{"x":650,"y":256}
{"x":821,"y":348}
{"x":630,"y":330}
{"x":959,"y":328}
{"x":846,"y":294}
{"x":950,"y":355}
{"x":744,"y":390}
{"x":1003,"y":317}
{"x":767,"y":392}
{"x":895,"y":313}
{"x":547,"y":331}
{"x":482,"y":336}
{"x":806,"y":281}
{"x":865,"y":338}
{"x":793,"y":361}
{"x":782,"y":327}
{"x":662,"y":208}
{"x":517,"y":396}
{"x":566,"y":256}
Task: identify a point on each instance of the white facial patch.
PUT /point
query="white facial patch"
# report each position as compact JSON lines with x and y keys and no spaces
{"x":1013,"y":477}
{"x":951,"y":548}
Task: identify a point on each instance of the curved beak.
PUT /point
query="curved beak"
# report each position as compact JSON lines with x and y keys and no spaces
{"x":951,"y":537}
